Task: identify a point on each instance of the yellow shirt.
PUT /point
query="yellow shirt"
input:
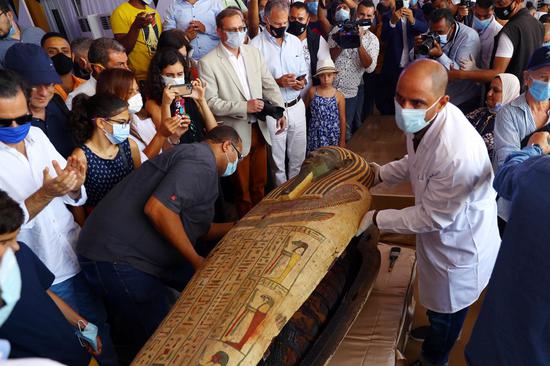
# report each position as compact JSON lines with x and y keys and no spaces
{"x":146,"y":45}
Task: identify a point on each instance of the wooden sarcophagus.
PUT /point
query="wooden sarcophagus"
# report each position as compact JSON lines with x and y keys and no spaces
{"x":284,"y":285}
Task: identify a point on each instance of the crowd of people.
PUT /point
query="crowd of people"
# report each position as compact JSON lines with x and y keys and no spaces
{"x":120,"y":156}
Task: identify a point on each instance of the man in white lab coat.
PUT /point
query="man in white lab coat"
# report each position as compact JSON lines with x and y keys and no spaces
{"x":454,"y":215}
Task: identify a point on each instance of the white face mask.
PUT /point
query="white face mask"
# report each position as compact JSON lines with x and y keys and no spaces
{"x":10,"y":284}
{"x":174,"y":81}
{"x":235,"y":39}
{"x":135,"y":104}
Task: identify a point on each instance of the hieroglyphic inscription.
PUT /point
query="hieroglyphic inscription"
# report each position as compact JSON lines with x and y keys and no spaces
{"x":265,"y":268}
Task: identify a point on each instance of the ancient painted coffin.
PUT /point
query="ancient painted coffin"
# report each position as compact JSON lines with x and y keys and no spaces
{"x":266,"y":267}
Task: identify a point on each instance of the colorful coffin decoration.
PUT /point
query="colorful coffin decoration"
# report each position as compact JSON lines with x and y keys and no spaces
{"x":266,"y":267}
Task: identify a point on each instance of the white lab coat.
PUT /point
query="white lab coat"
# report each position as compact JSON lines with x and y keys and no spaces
{"x":455,"y":212}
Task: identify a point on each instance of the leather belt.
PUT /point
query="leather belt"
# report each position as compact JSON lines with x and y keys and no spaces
{"x":293,"y":102}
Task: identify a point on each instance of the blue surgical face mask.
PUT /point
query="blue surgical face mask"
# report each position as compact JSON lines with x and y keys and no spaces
{"x":480,"y":25}
{"x":411,"y":120}
{"x":341,"y":15}
{"x":10,"y":284}
{"x":10,"y":33}
{"x":87,"y":334}
{"x":497,"y":107}
{"x":235,"y":39}
{"x":312,"y":8}
{"x":231,"y":166}
{"x":14,"y":135}
{"x":540,"y":90}
{"x":120,"y":133}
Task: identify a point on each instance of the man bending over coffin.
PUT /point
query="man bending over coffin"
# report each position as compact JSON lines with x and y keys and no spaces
{"x":140,"y":240}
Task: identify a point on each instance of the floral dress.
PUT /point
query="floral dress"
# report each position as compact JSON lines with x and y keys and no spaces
{"x":324,"y":126}
{"x":483,"y":121}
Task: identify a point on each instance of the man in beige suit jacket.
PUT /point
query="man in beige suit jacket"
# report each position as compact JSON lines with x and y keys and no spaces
{"x":237,"y":79}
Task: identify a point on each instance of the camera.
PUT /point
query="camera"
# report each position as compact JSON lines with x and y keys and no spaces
{"x":466,"y":3}
{"x":428,"y":42}
{"x":348,"y":34}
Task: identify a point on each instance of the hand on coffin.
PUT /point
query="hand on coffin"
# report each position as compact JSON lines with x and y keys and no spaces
{"x":366,"y":222}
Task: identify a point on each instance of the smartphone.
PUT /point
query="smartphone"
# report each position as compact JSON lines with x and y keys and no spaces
{"x":182,"y":89}
{"x":179,"y":107}
{"x":301,"y":77}
{"x":398,"y":4}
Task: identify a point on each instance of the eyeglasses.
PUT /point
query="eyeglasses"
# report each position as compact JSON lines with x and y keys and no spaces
{"x":239,"y":155}
{"x":123,"y":122}
{"x":7,"y":122}
{"x":237,"y":29}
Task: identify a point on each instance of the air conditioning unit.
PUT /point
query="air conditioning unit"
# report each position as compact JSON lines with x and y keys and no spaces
{"x":84,"y":25}
{"x":100,"y":25}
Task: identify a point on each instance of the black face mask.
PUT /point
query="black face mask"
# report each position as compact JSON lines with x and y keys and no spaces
{"x":296,"y":28}
{"x":504,"y":13}
{"x":277,"y":32}
{"x":62,"y":64}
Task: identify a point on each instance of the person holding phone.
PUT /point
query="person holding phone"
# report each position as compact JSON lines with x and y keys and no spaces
{"x":399,"y":27}
{"x":198,"y":19}
{"x":137,"y":27}
{"x":284,"y":56}
{"x":167,"y":92}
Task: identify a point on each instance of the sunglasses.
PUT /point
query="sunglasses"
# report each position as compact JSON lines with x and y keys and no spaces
{"x":7,"y":122}
{"x":239,"y":155}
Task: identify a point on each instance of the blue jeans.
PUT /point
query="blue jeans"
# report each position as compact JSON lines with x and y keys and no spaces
{"x":137,"y":300}
{"x":78,"y":294}
{"x":442,"y":335}
{"x":357,"y":119}
{"x":351,"y":108}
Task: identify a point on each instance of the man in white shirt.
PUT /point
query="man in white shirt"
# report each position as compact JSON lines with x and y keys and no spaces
{"x":352,"y":63}
{"x":36,"y":176}
{"x":454,"y":216}
{"x":238,"y":83}
{"x":104,"y":53}
{"x":487,"y":26}
{"x":315,"y":46}
{"x":284,"y":56}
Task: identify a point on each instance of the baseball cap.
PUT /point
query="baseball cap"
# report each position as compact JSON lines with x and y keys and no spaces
{"x":32,"y":63}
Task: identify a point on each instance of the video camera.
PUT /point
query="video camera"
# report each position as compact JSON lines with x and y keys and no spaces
{"x":428,"y":42}
{"x":348,"y":34}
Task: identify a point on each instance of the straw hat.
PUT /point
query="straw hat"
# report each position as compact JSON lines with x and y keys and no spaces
{"x":325,"y":66}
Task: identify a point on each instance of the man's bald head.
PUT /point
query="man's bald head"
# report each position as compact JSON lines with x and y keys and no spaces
{"x":429,"y":73}
{"x":421,"y":85}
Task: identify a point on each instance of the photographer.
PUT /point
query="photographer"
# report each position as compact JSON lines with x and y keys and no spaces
{"x":448,"y":43}
{"x":461,"y":9}
{"x":399,"y":27}
{"x":514,"y":44}
{"x":353,"y":62}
